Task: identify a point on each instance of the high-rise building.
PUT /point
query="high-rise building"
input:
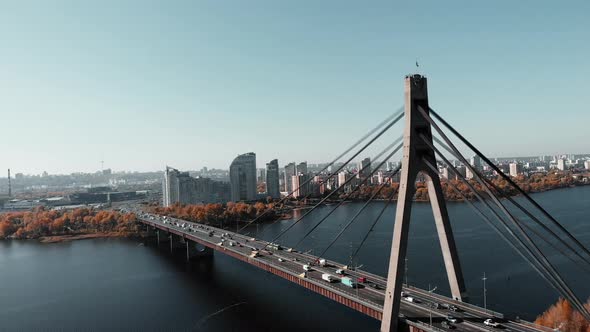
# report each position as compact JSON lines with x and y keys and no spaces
{"x":289,"y":172}
{"x":515,"y":169}
{"x":380,"y":177}
{"x":475,"y":162}
{"x":180,"y":187}
{"x":364,"y":168}
{"x":300,"y":187}
{"x":462,"y":170}
{"x":301,"y":168}
{"x":272,"y":179}
{"x":342,"y":177}
{"x":261,"y":175}
{"x":242,"y":177}
{"x":320,"y":183}
{"x":561,"y":165}
{"x":170,"y":188}
{"x":448,"y":174}
{"x":468,"y":173}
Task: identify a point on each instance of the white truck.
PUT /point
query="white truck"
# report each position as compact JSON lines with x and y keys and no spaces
{"x":322,"y":262}
{"x":329,"y":278}
{"x":307,"y":267}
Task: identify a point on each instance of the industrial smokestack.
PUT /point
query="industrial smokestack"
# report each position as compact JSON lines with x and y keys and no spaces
{"x":9,"y":187}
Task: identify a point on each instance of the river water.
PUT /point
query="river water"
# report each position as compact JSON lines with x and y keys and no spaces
{"x":121,"y":284}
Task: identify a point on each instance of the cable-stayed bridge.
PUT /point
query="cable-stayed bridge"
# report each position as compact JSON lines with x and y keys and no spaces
{"x":425,"y":145}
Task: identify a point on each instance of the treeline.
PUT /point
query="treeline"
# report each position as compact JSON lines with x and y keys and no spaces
{"x":563,"y":317}
{"x":531,"y":184}
{"x":42,"y":222}
{"x":218,"y":213}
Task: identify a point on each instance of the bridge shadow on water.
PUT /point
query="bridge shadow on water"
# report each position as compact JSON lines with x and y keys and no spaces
{"x":230,"y":295}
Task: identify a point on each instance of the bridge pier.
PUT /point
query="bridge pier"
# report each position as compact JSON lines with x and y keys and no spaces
{"x":161,"y":237}
{"x":194,"y":250}
{"x":149,"y":235}
{"x":176,"y":242}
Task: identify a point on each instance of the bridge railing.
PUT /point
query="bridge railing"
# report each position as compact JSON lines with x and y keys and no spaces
{"x":423,"y":326}
{"x":445,"y":299}
{"x":535,"y":326}
{"x":367,"y":302}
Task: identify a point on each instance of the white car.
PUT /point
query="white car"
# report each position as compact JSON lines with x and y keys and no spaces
{"x":490,"y":322}
{"x":409,"y":299}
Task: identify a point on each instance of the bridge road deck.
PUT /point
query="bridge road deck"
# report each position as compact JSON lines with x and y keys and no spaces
{"x":366,"y":299}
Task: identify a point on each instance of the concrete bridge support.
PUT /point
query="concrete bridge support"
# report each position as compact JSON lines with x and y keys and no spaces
{"x":417,"y":155}
{"x":196,"y":251}
{"x":162,"y":237}
{"x":177,"y":243}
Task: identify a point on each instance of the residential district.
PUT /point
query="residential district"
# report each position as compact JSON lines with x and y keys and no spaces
{"x":245,"y":182}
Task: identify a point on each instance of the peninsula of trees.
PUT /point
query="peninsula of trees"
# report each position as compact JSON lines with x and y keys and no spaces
{"x":81,"y":221}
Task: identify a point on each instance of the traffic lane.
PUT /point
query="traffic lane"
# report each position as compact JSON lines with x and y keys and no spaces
{"x":424,"y":302}
{"x":364,"y":294}
{"x":437,"y":319}
{"x":296,"y":266}
{"x":409,"y":311}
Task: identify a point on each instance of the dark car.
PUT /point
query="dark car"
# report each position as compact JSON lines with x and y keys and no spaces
{"x":375,"y":286}
{"x":447,"y":325}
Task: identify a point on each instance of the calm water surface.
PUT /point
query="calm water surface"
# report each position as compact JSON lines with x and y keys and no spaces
{"x":121,"y":284}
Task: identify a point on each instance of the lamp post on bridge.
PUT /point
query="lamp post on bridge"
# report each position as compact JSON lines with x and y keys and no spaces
{"x":406,"y":271}
{"x":485,"y":304}
{"x":430,"y":304}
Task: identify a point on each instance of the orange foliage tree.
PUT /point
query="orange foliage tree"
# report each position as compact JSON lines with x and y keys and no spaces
{"x":41,"y":222}
{"x":217,"y":213}
{"x":561,"y":315}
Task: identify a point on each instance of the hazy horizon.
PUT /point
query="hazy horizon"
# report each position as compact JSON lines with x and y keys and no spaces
{"x":140,"y":85}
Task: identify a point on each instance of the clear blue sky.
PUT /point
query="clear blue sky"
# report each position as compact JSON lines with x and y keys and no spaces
{"x":142,"y":84}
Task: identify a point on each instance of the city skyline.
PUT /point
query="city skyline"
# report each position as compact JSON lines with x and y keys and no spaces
{"x":261,"y":165}
{"x":145,"y":89}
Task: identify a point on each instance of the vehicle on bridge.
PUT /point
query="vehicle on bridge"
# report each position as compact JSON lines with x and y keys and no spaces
{"x":410,"y":299}
{"x":274,"y":246}
{"x":329,"y":278}
{"x":491,"y":322}
{"x":349,"y":282}
{"x":448,"y":325}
